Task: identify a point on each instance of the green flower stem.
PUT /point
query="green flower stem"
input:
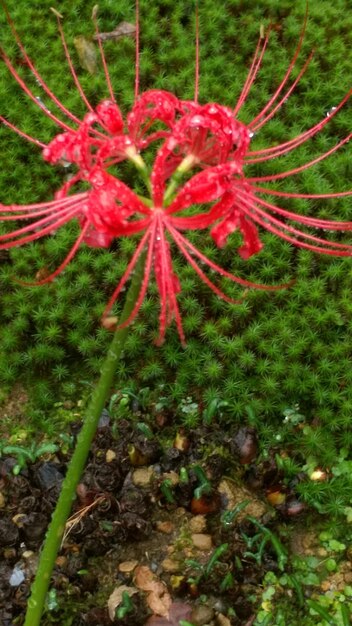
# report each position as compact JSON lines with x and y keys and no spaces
{"x":56,"y":529}
{"x":186,"y":164}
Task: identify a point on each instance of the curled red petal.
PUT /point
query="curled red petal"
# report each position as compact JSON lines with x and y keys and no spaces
{"x":110,"y":116}
{"x":153,"y":105}
{"x":206,"y":186}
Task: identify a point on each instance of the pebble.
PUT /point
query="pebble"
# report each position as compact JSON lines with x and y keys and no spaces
{"x":17,"y":577}
{"x":198,"y":524}
{"x":202,"y":541}
{"x":170,"y":565}
{"x":234,"y":494}
{"x":126,"y":567}
{"x":142,"y":476}
{"x":222,"y":620}
{"x":202,"y":615}
{"x":165,"y":527}
{"x":110,"y":456}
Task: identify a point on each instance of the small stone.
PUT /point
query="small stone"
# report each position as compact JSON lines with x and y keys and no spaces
{"x":176,"y":581}
{"x":222,"y":620}
{"x":169,"y":565}
{"x":172,"y":476}
{"x":19,"y":519}
{"x":325,"y":585}
{"x":126,"y":567}
{"x":202,"y":615}
{"x":276,"y":498}
{"x":322,"y":552}
{"x":9,"y":554}
{"x":197,"y":524}
{"x":17,"y":577}
{"x":165,"y":527}
{"x":233,"y":494}
{"x":202,"y":541}
{"x":180,"y":511}
{"x":142,"y":476}
{"x":27,"y":554}
{"x":110,"y":456}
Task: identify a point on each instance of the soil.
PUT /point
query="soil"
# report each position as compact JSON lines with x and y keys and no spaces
{"x":178,"y":511}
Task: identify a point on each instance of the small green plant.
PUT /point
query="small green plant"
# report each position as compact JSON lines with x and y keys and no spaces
{"x":25,"y":455}
{"x":205,"y":486}
{"x":166,"y":489}
{"x":205,"y":570}
{"x":228,"y":517}
{"x":125,"y":607}
{"x":257,"y":543}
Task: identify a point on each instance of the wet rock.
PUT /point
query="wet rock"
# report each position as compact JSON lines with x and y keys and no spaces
{"x":104,"y":419}
{"x":133,"y":501}
{"x":107,"y":477}
{"x":171,"y":459}
{"x":48,"y":476}
{"x":202,"y":542}
{"x":34,"y":528}
{"x":166,"y":527}
{"x":171,"y":565}
{"x":197,"y":524}
{"x":233,"y":494}
{"x":110,"y":455}
{"x":9,"y":532}
{"x":143,"y":476}
{"x":245,"y":445}
{"x":202,"y":615}
{"x":126,"y":567}
{"x":17,"y":576}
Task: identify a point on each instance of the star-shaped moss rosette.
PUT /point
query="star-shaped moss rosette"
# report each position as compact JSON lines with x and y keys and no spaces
{"x":200,"y":158}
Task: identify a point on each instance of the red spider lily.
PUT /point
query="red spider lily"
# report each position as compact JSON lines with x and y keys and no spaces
{"x":207,"y":139}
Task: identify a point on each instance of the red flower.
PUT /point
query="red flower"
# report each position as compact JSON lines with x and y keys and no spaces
{"x":201,"y":160}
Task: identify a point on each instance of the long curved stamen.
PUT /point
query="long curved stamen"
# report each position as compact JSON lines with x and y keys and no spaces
{"x":303,"y":167}
{"x":309,"y":221}
{"x":62,"y":265}
{"x":136,"y":78}
{"x":69,"y":62}
{"x":128,"y":272}
{"x":166,"y":284}
{"x":287,"y":75}
{"x":144,"y":285}
{"x":102,"y":55}
{"x":236,"y":279}
{"x":53,"y":205}
{"x":20,"y":132}
{"x":196,"y":73}
{"x":284,"y":98}
{"x":31,"y":95}
{"x":271,"y":223}
{"x":39,"y":223}
{"x":286,"y":194}
{"x":181,"y":244}
{"x":287,"y":146}
{"x":35,"y":72}
{"x":253,"y":71}
{"x":64,"y":218}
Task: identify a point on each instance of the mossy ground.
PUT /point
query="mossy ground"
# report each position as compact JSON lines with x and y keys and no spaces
{"x":262,"y":356}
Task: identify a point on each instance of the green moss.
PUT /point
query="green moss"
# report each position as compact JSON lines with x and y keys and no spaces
{"x":271,"y":350}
